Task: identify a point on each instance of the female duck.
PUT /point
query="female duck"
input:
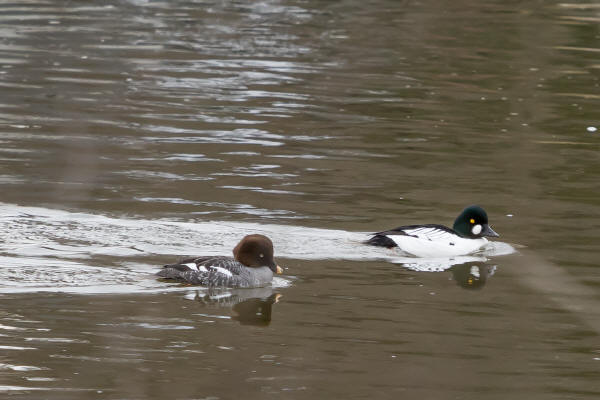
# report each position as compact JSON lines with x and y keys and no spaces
{"x":252,"y":266}
{"x":431,"y":240}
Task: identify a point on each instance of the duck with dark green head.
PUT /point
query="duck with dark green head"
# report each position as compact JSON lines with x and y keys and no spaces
{"x":432,"y":240}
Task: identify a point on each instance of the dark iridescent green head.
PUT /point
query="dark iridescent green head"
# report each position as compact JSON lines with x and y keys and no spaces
{"x":473,"y":223}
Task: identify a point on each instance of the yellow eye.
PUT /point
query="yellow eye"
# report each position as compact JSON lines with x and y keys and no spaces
{"x":472,"y":221}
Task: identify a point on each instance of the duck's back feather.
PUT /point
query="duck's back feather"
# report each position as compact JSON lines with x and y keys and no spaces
{"x":426,"y":231}
{"x":206,"y":271}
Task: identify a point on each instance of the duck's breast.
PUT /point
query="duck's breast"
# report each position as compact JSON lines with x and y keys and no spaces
{"x":256,"y":277}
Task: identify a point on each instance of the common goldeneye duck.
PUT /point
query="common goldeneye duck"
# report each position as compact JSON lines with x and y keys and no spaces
{"x":431,"y":240}
{"x":252,"y":266}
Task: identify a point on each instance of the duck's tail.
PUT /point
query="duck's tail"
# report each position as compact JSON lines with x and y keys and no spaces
{"x":174,"y":271}
{"x":381,"y":241}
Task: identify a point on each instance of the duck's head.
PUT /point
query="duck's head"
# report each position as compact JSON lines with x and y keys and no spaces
{"x":473,"y":223}
{"x":256,"y":251}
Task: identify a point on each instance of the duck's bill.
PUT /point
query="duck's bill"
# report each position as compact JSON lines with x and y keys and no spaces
{"x":488,"y":231}
{"x":279,"y":270}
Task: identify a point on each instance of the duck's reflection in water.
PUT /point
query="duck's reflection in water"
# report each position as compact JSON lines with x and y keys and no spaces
{"x":255,"y":311}
{"x":248,"y":306}
{"x":469,"y":272}
{"x":472,"y":275}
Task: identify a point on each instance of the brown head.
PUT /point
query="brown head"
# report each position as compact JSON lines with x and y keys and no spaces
{"x":256,"y":251}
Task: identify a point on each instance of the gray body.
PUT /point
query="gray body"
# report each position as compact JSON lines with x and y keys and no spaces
{"x":217,"y":272}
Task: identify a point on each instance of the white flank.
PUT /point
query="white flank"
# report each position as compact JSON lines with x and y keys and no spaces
{"x":445,"y":246}
{"x":202,"y":268}
{"x":191,"y":265}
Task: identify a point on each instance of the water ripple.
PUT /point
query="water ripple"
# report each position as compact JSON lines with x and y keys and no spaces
{"x":53,"y":250}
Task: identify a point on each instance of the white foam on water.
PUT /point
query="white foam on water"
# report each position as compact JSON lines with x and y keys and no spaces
{"x":54,"y":250}
{"x":22,"y":368}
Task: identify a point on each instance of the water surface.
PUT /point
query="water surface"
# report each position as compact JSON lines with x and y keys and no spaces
{"x":136,"y":132}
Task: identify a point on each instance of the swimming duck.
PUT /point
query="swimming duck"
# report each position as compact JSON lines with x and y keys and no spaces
{"x":252,"y":266}
{"x":432,"y":240}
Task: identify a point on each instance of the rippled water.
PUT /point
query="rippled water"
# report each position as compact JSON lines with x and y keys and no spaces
{"x":135,"y":132}
{"x":49,"y":250}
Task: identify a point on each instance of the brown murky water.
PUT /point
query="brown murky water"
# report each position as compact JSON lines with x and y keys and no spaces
{"x":134,"y":132}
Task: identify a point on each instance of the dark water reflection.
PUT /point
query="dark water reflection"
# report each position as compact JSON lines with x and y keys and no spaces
{"x":472,"y":275}
{"x":136,"y":119}
{"x":248,"y":307}
{"x":255,"y":311}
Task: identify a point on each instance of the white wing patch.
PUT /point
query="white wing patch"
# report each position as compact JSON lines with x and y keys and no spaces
{"x":200,"y":268}
{"x":221,"y":270}
{"x":430,"y":233}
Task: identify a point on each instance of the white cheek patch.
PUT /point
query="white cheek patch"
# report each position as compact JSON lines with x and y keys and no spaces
{"x":476,"y":230}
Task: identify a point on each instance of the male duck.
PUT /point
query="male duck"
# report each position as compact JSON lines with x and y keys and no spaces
{"x":431,"y":240}
{"x":252,"y":266}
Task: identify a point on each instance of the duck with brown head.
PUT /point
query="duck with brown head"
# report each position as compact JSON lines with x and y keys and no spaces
{"x":252,"y":266}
